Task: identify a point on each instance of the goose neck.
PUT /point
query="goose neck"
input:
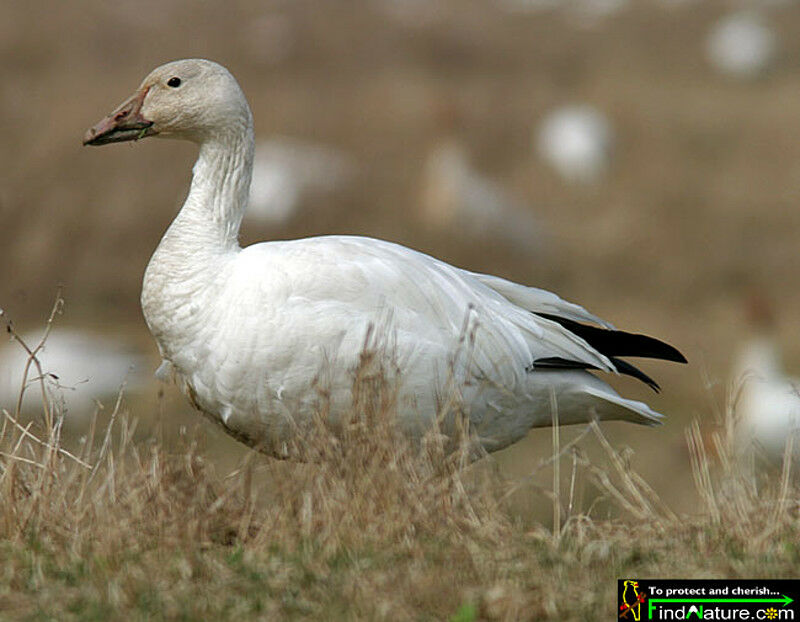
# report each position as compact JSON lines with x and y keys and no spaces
{"x":220,"y":185}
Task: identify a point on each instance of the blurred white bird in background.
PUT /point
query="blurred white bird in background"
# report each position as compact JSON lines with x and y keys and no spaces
{"x":458,"y":198}
{"x":742,"y":45}
{"x":461,"y":200}
{"x":78,"y":368}
{"x":288,"y":171}
{"x":767,"y":407}
{"x":576,"y":141}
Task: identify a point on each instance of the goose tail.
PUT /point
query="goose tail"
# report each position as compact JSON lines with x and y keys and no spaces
{"x":609,"y":406}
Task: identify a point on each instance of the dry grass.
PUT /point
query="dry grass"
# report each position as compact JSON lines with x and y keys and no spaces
{"x":370,"y":528}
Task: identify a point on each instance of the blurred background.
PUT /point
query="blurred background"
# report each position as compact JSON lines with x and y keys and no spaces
{"x":639,"y":157}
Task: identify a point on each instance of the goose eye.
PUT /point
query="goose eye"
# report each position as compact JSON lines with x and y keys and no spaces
{"x":174,"y":82}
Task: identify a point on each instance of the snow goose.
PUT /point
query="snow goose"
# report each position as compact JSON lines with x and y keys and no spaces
{"x":768,"y":401}
{"x":249,"y":333}
{"x":741,"y":45}
{"x":576,"y":141}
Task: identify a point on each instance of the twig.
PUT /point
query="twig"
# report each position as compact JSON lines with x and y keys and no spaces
{"x":544,"y":462}
{"x":556,"y":467}
{"x":25,"y":431}
{"x":627,"y":480}
{"x":21,"y":459}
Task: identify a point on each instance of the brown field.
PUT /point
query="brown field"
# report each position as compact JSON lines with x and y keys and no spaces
{"x":173,"y":521}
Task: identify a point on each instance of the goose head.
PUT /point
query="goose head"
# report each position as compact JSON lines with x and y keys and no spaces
{"x":191,"y":99}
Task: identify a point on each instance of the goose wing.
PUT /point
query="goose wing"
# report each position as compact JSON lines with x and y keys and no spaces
{"x":517,"y":329}
{"x":352,"y":280}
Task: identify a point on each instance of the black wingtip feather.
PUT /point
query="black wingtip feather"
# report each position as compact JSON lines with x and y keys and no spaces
{"x":623,"y":367}
{"x":626,"y":368}
{"x":556,"y":362}
{"x":619,"y":343}
{"x":613,"y":344}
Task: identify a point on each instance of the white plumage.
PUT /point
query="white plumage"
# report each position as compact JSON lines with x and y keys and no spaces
{"x":259,"y":336}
